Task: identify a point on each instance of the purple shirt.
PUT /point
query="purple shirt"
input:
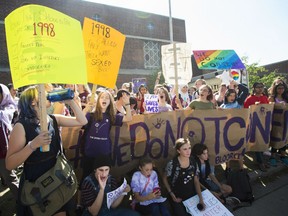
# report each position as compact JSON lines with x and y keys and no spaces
{"x":98,"y":137}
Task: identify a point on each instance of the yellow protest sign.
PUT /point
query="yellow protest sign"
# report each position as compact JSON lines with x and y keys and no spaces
{"x":44,"y":46}
{"x":103,"y":46}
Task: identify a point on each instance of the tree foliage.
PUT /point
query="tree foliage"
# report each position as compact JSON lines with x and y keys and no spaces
{"x":258,"y":73}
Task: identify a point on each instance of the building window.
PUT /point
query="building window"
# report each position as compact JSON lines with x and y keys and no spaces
{"x":151,"y":55}
{"x":96,"y":17}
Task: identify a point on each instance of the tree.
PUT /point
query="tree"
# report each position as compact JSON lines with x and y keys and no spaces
{"x":258,"y":73}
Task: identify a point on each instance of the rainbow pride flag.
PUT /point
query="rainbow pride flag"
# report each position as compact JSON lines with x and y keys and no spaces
{"x":218,"y":59}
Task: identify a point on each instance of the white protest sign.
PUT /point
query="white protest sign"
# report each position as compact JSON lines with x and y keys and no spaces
{"x":212,"y":205}
{"x":184,"y":64}
{"x":114,"y":195}
{"x":151,"y":102}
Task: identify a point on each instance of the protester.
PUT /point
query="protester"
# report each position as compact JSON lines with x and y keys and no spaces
{"x":257,"y":97}
{"x":198,"y":84}
{"x":26,"y":140}
{"x":219,"y":96}
{"x":55,"y":107}
{"x":203,"y":102}
{"x":120,"y":102}
{"x":7,"y":109}
{"x":207,"y":177}
{"x":13,"y":92}
{"x":95,"y":188}
{"x":164,"y":101}
{"x":279,"y":96}
{"x":147,"y":192}
{"x":140,"y":97}
{"x":84,"y":91}
{"x":97,"y":131}
{"x":181,"y":177}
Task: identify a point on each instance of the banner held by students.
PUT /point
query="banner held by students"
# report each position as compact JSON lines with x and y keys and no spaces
{"x":103,"y":46}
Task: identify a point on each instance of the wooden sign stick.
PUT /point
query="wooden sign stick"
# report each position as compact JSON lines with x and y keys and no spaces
{"x":43,"y":113}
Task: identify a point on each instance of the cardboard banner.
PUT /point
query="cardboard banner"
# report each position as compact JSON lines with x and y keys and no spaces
{"x":228,"y":134}
{"x":279,"y":133}
{"x":44,"y":46}
{"x":103,"y":46}
{"x":218,"y":59}
{"x":184,"y":65}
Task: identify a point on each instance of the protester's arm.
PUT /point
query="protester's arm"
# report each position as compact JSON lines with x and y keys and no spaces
{"x":244,"y":92}
{"x":18,"y":151}
{"x":69,"y":121}
{"x":157,"y":79}
{"x":198,"y":190}
{"x":118,"y":201}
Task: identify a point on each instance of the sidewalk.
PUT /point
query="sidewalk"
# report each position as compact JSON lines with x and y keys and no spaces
{"x":7,"y":203}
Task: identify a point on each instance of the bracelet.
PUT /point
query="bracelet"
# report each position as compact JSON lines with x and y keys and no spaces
{"x":30,"y":145}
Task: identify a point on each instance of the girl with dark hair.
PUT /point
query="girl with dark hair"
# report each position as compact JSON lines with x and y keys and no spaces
{"x":206,"y":177}
{"x":140,"y":98}
{"x":181,"y":177}
{"x":26,"y":140}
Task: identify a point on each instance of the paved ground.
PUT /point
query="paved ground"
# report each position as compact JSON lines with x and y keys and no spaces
{"x":263,"y":184}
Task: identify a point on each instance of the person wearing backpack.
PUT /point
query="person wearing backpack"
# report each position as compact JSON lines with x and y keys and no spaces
{"x":181,"y":177}
{"x":206,"y":176}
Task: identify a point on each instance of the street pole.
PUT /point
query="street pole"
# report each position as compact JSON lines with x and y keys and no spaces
{"x":174,"y":49}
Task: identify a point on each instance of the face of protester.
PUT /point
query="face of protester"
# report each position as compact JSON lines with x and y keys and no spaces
{"x":198,"y":84}
{"x":259,"y":89}
{"x":231,"y":98}
{"x":104,"y":101}
{"x":280,"y":90}
{"x":147,"y":169}
{"x":161,"y":95}
{"x":184,"y":89}
{"x":71,"y":86}
{"x":185,"y":150}
{"x":203,"y":92}
{"x":143,"y":90}
{"x":223,"y":88}
{"x":204,"y":156}
{"x":102,"y":173}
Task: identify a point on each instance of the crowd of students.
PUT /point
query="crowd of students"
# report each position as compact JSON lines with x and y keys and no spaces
{"x":184,"y":176}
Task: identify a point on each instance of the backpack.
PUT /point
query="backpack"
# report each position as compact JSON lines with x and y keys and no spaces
{"x":241,"y":187}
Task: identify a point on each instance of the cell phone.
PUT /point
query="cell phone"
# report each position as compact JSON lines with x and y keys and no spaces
{"x":157,"y":189}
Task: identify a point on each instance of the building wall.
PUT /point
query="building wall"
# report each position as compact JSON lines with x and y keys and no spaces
{"x":134,"y":24}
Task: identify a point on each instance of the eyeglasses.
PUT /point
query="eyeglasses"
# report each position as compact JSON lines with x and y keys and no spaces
{"x":259,"y":86}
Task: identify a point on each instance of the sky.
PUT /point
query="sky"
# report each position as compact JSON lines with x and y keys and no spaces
{"x":254,"y":28}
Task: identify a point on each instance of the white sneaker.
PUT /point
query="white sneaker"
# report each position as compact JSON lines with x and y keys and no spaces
{"x":232,"y":201}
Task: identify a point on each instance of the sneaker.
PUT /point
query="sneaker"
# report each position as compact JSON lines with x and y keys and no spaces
{"x":284,"y":160}
{"x":232,"y":201}
{"x":262,"y":167}
{"x":273,"y":162}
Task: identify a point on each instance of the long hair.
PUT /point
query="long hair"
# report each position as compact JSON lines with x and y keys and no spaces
{"x":180,"y":142}
{"x":284,"y":94}
{"x":98,"y":116}
{"x":228,"y":93}
{"x":167,"y":97}
{"x":198,"y":149}
{"x":25,"y":106}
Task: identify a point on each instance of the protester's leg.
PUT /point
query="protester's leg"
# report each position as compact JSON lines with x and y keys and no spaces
{"x":272,"y":159}
{"x":179,"y":209}
{"x":164,"y":209}
{"x":10,"y":178}
{"x":260,"y":160}
{"x":122,"y":212}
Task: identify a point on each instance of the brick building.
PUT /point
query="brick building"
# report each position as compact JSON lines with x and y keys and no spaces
{"x":145,"y":34}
